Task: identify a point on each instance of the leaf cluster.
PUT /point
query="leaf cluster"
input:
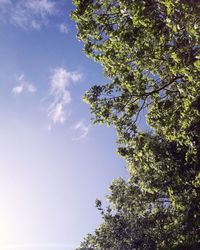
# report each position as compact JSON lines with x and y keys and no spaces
{"x":150,"y":50}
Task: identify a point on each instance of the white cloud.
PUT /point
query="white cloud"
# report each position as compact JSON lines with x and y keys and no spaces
{"x":60,"y":80}
{"x":57,"y":112}
{"x":43,"y":7}
{"x":23,"y":86}
{"x":3,"y":2}
{"x":35,"y":25}
{"x":20,"y":77}
{"x":18,"y":89}
{"x":82,"y":130}
{"x":30,"y":88}
{"x":27,"y":13}
{"x":63,"y":28}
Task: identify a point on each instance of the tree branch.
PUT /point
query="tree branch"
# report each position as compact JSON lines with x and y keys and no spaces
{"x":163,"y":87}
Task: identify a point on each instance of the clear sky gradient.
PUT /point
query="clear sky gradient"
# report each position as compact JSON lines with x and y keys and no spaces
{"x":53,"y":162}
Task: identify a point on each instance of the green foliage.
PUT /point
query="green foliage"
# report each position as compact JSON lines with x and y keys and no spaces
{"x":150,"y":50}
{"x":158,"y":208}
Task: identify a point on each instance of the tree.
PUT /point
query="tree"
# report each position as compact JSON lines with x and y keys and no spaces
{"x":150,"y":50}
{"x":158,"y":208}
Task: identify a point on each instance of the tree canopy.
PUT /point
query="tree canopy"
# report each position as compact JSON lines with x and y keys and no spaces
{"x":150,"y":51}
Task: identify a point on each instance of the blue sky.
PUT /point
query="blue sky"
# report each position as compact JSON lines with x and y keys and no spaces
{"x":53,"y":162}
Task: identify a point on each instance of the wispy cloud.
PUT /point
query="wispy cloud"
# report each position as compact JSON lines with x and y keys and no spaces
{"x":3,"y":2}
{"x":82,"y":130}
{"x":23,"y":86}
{"x":27,"y":14}
{"x":60,"y":81}
{"x":63,"y":28}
